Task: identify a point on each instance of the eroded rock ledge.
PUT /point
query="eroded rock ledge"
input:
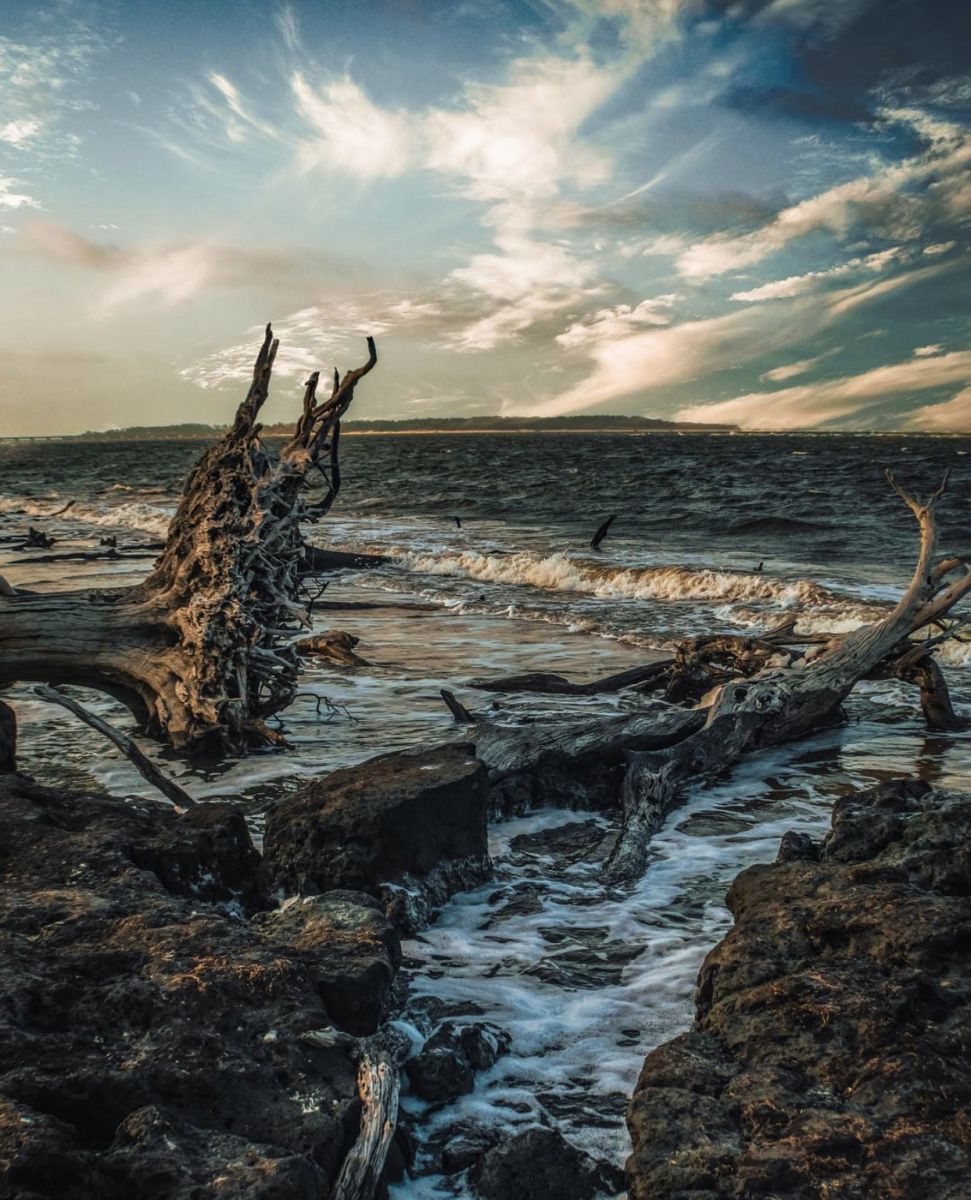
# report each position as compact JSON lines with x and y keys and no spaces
{"x":830,"y":1054}
{"x":151,"y":1037}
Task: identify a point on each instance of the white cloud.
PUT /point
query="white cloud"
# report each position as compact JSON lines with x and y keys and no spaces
{"x":349,"y":132}
{"x":609,"y":323}
{"x":798,"y":285}
{"x":639,"y":362}
{"x":497,"y":155}
{"x":951,"y":416}
{"x":526,"y":282}
{"x":41,"y":81}
{"x":818,"y":404}
{"x":791,"y":370}
{"x":927,"y":351}
{"x":315,"y":337}
{"x":882,"y":202}
{"x":939,"y":248}
{"x":9,"y":198}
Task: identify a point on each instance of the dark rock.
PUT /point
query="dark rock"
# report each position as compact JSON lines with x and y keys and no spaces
{"x":573,"y":840}
{"x":541,"y":1164}
{"x":465,"y":1148}
{"x":409,"y":828}
{"x":353,"y":952}
{"x":446,"y":1065}
{"x":207,"y":854}
{"x":150,"y":1040}
{"x":830,"y":1047}
{"x":797,"y":847}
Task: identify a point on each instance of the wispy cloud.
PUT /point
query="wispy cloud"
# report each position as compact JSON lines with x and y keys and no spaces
{"x":11,"y":197}
{"x":821,"y":403}
{"x":43,"y":78}
{"x":313,"y":338}
{"x":799,"y":285}
{"x":626,"y":363}
{"x":166,"y":274}
{"x":898,"y":200}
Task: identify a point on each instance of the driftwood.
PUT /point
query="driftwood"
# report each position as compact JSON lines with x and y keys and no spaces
{"x":546,"y":684}
{"x":144,"y":766}
{"x":200,"y":651}
{"x":334,"y":645}
{"x":602,"y":531}
{"x":36,"y":537}
{"x":378,"y":1086}
{"x":758,"y":691}
{"x":8,"y":738}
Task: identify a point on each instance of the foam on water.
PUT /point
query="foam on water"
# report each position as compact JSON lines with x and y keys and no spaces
{"x":560,"y":572}
{"x":585,"y":978}
{"x":577,"y":1045}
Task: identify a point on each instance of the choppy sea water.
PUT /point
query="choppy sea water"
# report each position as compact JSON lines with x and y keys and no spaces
{"x":586,"y":979}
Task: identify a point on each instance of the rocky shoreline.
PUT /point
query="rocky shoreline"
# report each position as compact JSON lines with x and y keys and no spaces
{"x":830,"y":1052}
{"x":183,"y":1017}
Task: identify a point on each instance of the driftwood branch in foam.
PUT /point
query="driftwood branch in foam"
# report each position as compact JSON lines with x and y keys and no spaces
{"x":144,"y":766}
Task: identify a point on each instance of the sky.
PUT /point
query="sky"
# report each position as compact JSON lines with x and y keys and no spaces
{"x":755,"y":212}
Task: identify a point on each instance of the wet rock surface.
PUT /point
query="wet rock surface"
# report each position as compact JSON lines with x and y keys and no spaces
{"x":409,"y":828}
{"x":541,"y":1164}
{"x":829,"y":1056}
{"x":446,"y":1065}
{"x":350,"y":948}
{"x":150,"y":1038}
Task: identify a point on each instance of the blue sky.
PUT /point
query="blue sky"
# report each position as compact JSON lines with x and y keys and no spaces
{"x":754,"y":212}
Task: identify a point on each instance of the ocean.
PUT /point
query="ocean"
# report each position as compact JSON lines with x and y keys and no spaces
{"x":491,"y":572}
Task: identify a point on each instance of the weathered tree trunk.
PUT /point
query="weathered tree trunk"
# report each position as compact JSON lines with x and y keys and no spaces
{"x":760,"y":692}
{"x":200,"y":650}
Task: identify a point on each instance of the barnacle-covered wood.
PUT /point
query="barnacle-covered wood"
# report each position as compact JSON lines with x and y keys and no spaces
{"x":200,"y":650}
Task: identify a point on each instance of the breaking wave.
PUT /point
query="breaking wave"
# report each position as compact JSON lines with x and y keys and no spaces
{"x":559,"y":572}
{"x":137,"y":515}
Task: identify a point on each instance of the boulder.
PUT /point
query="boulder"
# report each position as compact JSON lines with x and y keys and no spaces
{"x":446,"y":1065}
{"x":207,"y":854}
{"x":409,"y":828}
{"x":151,"y":1040}
{"x":829,"y":1054}
{"x":541,"y":1164}
{"x":349,"y":947}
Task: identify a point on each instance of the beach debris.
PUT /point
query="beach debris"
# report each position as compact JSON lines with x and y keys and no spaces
{"x":36,"y":537}
{"x":458,"y":710}
{"x":334,"y":645}
{"x":143,"y":765}
{"x":602,"y":531}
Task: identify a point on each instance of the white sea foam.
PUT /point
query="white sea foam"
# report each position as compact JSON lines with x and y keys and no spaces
{"x":559,"y":572}
{"x":139,"y":515}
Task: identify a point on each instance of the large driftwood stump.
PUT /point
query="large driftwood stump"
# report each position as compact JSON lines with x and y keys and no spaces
{"x":200,"y":651}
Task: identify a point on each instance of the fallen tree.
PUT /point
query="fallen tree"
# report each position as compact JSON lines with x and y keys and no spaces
{"x":200,"y":651}
{"x":744,"y":693}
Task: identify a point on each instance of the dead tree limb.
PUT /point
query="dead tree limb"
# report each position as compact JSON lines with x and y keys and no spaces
{"x":544,"y":683}
{"x":200,"y":651}
{"x":766,"y":692}
{"x":8,"y":738}
{"x":144,"y":766}
{"x":378,"y":1087}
